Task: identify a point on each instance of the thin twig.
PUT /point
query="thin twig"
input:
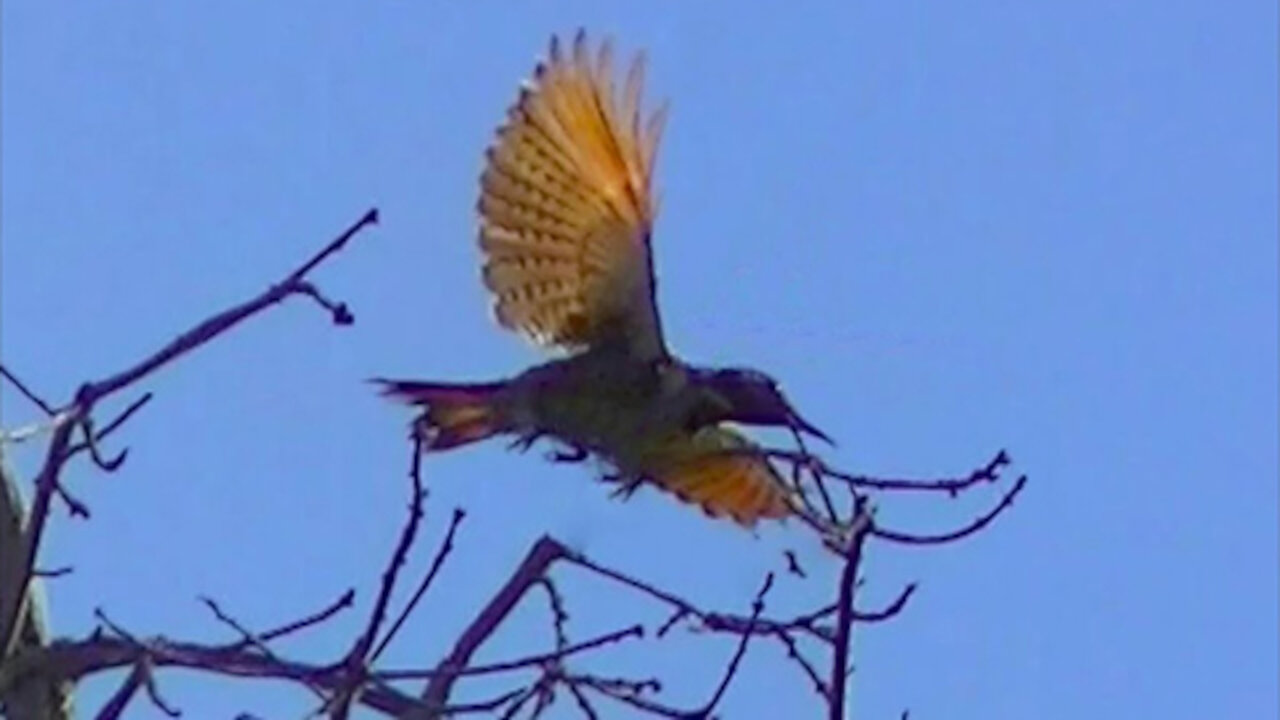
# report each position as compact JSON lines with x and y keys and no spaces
{"x":987,"y":473}
{"x":714,"y":621}
{"x":250,"y":639}
{"x":757,"y":607}
{"x":827,"y":505}
{"x":518,"y":701}
{"x":342,"y":603}
{"x":436,"y":563}
{"x":544,"y":552}
{"x":483,"y":706}
{"x":153,"y":690}
{"x":223,"y":321}
{"x":142,"y":663}
{"x":951,"y":485}
{"x":793,"y":652}
{"x":114,"y":425}
{"x":392,"y":571}
{"x":89,"y":394}
{"x":584,"y":703}
{"x":559,"y":617}
{"x":75,"y":506}
{"x":636,"y":631}
{"x":646,"y":588}
{"x":26,"y":391}
{"x":71,"y":660}
{"x":356,"y":661}
{"x":907,"y":539}
{"x":890,"y":611}
{"x":627,"y":695}
{"x":105,"y":464}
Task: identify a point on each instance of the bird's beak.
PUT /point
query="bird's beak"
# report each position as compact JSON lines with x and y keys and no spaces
{"x":800,"y":423}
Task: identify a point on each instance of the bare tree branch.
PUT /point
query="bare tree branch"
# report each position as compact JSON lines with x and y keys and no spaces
{"x":907,"y":539}
{"x":119,"y":700}
{"x":26,"y":391}
{"x":436,"y":564}
{"x":535,"y":564}
{"x":844,"y":609}
{"x":352,"y":680}
{"x":14,"y":580}
{"x":757,"y":607}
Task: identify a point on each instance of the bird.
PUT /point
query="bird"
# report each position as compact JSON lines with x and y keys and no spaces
{"x":566,"y":215}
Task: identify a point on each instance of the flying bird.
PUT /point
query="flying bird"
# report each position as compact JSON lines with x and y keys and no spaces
{"x":566,"y":215}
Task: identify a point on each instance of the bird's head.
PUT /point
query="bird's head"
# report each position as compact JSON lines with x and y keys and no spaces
{"x":754,"y":398}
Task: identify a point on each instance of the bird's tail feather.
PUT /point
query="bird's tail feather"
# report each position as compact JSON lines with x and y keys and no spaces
{"x":453,"y":414}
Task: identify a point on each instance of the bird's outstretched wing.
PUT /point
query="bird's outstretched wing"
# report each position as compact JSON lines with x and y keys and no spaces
{"x":566,"y":207}
{"x":702,"y":469}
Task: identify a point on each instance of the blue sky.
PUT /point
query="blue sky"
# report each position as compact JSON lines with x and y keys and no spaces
{"x":948,"y":228}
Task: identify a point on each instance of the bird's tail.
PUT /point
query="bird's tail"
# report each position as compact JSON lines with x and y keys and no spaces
{"x":453,"y":414}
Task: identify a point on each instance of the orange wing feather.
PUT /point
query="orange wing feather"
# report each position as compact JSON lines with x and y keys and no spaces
{"x":566,"y":207}
{"x":704,"y":470}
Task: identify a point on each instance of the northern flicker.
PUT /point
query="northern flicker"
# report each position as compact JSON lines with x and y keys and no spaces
{"x":566,"y":213}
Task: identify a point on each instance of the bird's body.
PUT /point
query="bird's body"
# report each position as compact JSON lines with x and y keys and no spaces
{"x":655,"y":424}
{"x":646,"y":426}
{"x":592,"y":400}
{"x":566,"y":218}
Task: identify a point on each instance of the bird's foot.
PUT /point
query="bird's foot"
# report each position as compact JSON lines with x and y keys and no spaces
{"x":628,"y":485}
{"x":525,"y":440}
{"x":572,"y":454}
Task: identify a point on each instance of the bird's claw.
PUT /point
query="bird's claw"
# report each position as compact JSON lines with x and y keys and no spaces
{"x":525,"y":441}
{"x":627,"y":485}
{"x":573,"y":454}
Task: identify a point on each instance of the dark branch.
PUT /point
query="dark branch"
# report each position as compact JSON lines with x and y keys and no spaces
{"x":436,"y":563}
{"x":26,"y":391}
{"x":907,"y":539}
{"x":544,"y":552}
{"x":820,"y":469}
{"x":629,"y":693}
{"x":249,"y":639}
{"x":893,"y":609}
{"x":218,"y":324}
{"x":342,"y":603}
{"x":844,"y":608}
{"x":793,"y":652}
{"x":72,"y":660}
{"x":89,"y":394}
{"x":115,"y":424}
{"x":635,"y":631}
{"x":392,"y":571}
{"x":988,"y":473}
{"x":90,"y":441}
{"x":357,"y":658}
{"x":757,"y":607}
{"x":559,"y":616}
{"x":119,"y":700}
